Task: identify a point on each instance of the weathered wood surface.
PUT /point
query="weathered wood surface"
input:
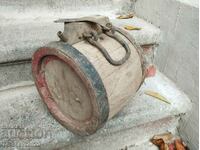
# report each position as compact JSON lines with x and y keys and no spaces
{"x":68,"y":90}
{"x":120,"y":82}
{"x":80,"y":87}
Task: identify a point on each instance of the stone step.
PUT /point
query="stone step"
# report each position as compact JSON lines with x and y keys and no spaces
{"x":20,"y":39}
{"x":23,"y":112}
{"x":35,"y":8}
{"x":136,"y":138}
{"x":23,"y":9}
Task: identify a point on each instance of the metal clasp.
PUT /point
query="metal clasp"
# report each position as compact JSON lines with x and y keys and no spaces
{"x":92,"y":38}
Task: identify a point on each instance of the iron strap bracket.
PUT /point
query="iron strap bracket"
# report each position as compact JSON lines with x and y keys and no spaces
{"x":92,"y":36}
{"x":93,"y":40}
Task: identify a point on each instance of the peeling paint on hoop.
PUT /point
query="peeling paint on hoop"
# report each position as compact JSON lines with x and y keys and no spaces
{"x":64,"y":54}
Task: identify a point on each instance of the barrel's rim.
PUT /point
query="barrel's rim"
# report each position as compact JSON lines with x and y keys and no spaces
{"x":90,"y":77}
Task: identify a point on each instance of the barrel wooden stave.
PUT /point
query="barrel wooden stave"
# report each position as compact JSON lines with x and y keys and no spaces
{"x":108,"y":87}
{"x":120,"y":82}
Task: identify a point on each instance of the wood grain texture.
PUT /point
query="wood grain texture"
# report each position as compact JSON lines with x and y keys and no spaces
{"x":68,"y":90}
{"x":81,"y":88}
{"x":120,"y":82}
{"x":85,"y":74}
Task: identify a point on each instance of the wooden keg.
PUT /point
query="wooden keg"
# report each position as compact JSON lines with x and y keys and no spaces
{"x":88,"y":76}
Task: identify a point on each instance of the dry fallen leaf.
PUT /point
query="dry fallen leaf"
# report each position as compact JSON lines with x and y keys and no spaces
{"x":129,"y":27}
{"x":168,"y":141}
{"x":166,"y":147}
{"x":157,"y":95}
{"x":165,"y":136}
{"x":179,"y":145}
{"x":125,"y":16}
{"x":160,"y":143}
{"x":157,"y":142}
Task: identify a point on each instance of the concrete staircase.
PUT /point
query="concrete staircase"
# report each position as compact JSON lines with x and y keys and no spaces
{"x":25,"y":26}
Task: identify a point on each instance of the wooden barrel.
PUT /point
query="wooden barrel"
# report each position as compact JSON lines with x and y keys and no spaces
{"x":81,"y":89}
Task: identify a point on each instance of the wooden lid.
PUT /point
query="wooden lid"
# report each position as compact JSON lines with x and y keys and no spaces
{"x":71,"y":88}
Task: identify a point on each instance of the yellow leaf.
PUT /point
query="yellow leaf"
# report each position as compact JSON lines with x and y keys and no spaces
{"x":127,"y":27}
{"x":157,"y":95}
{"x":125,"y":16}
